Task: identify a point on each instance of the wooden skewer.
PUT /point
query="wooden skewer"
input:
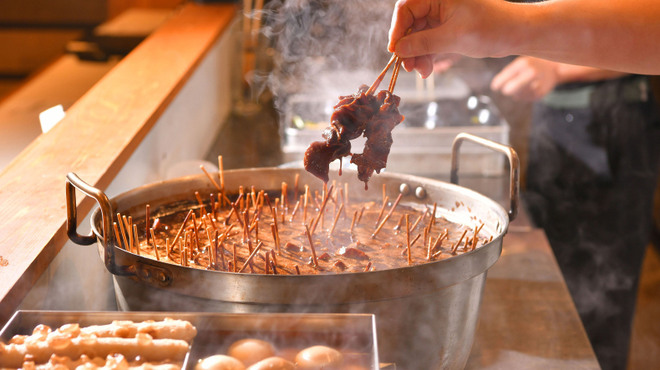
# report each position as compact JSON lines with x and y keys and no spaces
{"x":221,"y":196}
{"x":266,"y":264}
{"x":366,"y":269}
{"x":382,"y":210}
{"x":438,"y":241}
{"x":129,"y":233}
{"x":241,"y":197}
{"x":389,"y":214}
{"x":425,"y":241}
{"x":214,"y":206}
{"x":153,"y":237}
{"x":408,"y":239}
{"x":475,"y":239}
{"x":276,"y":238}
{"x":246,"y":226}
{"x":234,"y":207}
{"x":260,"y":199}
{"x":295,"y":186}
{"x":187,"y":236}
{"x":311,"y":244}
{"x":135,"y":239}
{"x":305,"y":201}
{"x":295,"y":209}
{"x":455,"y":246}
{"x":208,"y":226}
{"x":325,"y":201}
{"x":256,"y":229}
{"x":249,"y":259}
{"x":414,"y":226}
{"x":215,"y":184}
{"x":429,"y":248}
{"x":432,"y":222}
{"x":380,"y":77}
{"x":195,"y":238}
{"x":277,"y":228}
{"x":285,"y":198}
{"x":399,"y":223}
{"x":353,"y":221}
{"x":234,"y":258}
{"x":341,"y":199}
{"x":334,"y":223}
{"x":225,"y":235}
{"x":202,"y":208}
{"x":168,"y":249}
{"x":117,"y":236}
{"x":195,"y":226}
{"x":297,"y":270}
{"x":415,"y":239}
{"x":146,"y":223}
{"x":253,"y":195}
{"x":273,"y":267}
{"x":273,"y":256}
{"x":221,"y":247}
{"x":183,"y":225}
{"x":184,"y":258}
{"x":359,"y":216}
{"x":212,"y":250}
{"x":395,"y":74}
{"x":208,"y":232}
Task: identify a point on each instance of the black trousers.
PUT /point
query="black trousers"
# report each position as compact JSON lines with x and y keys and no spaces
{"x":591,"y":177}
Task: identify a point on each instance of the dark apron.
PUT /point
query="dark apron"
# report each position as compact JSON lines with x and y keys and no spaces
{"x":593,"y":166}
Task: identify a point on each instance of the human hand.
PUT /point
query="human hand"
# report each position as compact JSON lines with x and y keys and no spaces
{"x":421,"y":29}
{"x":527,"y":78}
{"x":443,"y":62}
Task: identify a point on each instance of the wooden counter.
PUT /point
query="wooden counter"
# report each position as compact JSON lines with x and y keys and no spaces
{"x":528,"y":320}
{"x":95,"y":140}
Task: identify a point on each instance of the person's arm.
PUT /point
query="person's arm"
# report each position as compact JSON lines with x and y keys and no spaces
{"x":615,"y":34}
{"x":529,"y":79}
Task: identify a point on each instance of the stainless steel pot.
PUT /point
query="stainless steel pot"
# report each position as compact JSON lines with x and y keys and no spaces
{"x":426,"y":314}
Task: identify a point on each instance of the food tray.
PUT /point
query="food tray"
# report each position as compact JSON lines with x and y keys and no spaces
{"x":353,"y":334}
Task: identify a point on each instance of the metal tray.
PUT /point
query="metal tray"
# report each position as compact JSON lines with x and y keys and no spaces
{"x":353,"y":334}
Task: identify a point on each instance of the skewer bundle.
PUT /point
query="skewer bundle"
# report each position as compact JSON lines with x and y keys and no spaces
{"x":357,"y":237}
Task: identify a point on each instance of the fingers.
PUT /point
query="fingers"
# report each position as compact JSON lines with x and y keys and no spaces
{"x":407,"y":15}
{"x":506,"y":74}
{"x":423,"y":65}
{"x":517,"y":81}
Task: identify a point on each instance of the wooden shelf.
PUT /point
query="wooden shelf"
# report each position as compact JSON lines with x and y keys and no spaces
{"x":95,"y":139}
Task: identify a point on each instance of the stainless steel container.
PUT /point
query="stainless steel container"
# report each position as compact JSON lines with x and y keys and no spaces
{"x":353,"y":335}
{"x":426,"y":314}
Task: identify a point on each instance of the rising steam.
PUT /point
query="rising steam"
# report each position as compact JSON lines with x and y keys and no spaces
{"x":324,"y":46}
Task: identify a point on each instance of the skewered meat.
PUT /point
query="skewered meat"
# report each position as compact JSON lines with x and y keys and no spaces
{"x":356,"y":115}
{"x":378,"y":132}
{"x":347,"y":122}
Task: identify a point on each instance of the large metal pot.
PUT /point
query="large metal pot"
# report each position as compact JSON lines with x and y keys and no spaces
{"x":426,"y":314}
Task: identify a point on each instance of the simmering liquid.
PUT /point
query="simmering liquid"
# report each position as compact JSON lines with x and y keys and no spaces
{"x":347,"y":236}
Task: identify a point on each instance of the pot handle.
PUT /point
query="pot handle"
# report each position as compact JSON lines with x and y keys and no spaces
{"x":514,"y":166}
{"x":74,"y":182}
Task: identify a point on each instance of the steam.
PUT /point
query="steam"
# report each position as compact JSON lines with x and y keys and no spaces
{"x":324,"y":47}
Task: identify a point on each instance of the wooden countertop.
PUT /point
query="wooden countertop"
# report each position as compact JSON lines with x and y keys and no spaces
{"x":527,"y":319}
{"x":95,"y":139}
